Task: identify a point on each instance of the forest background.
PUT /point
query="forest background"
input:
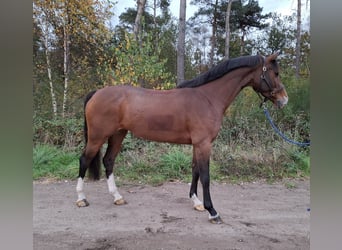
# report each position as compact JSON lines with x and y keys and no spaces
{"x":77,"y":48}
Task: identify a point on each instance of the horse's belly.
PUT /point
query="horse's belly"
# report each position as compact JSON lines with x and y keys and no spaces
{"x":162,"y":136}
{"x":155,"y":120}
{"x":162,"y":128}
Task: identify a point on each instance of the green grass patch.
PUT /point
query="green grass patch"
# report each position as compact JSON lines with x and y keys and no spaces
{"x":53,"y":162}
{"x":154,"y":163}
{"x":270,"y":162}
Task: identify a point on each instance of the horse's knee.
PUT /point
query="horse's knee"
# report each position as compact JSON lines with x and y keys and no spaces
{"x":108,"y":162}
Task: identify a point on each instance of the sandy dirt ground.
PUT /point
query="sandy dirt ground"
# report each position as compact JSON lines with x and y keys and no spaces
{"x":255,"y":215}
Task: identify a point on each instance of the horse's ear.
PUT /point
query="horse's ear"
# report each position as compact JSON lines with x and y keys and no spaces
{"x":259,"y":53}
{"x":272,"y":57}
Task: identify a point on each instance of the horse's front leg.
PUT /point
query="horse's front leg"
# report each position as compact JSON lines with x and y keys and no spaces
{"x":198,"y":205}
{"x":202,"y":153}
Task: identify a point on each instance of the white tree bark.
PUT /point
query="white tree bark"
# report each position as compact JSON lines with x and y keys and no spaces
{"x":181,"y":42}
{"x":48,"y":64}
{"x":65,"y":68}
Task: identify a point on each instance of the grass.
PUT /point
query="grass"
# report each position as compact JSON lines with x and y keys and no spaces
{"x":52,"y":162}
{"x":154,"y":163}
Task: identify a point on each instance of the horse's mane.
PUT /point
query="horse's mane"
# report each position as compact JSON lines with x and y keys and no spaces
{"x":221,"y":69}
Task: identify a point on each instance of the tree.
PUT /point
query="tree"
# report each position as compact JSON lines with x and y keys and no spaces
{"x":159,"y":21}
{"x":246,"y":17}
{"x":227,"y":28}
{"x":242,"y":18}
{"x":137,"y":23}
{"x":279,"y":36}
{"x":42,"y":26}
{"x":209,"y":12}
{"x":298,"y":36}
{"x":160,"y":26}
{"x":140,"y":66}
{"x":74,"y":39}
{"x":181,"y":42}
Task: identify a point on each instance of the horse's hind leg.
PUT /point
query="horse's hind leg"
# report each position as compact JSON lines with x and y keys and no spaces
{"x":114,"y":145}
{"x":89,"y":158}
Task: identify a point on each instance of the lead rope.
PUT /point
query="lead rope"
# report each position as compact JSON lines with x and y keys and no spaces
{"x":267,"y":114}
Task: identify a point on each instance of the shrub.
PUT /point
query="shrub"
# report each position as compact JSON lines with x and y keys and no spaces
{"x":64,"y":132}
{"x":53,"y":162}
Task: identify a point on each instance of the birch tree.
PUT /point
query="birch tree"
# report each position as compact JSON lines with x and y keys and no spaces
{"x":181,"y":42}
{"x":74,"y":43}
{"x":42,"y":12}
{"x":66,"y":55}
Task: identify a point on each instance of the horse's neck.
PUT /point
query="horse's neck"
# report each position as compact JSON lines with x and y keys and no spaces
{"x":224,"y":90}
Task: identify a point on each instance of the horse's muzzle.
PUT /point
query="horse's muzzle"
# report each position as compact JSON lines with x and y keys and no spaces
{"x":280,"y":103}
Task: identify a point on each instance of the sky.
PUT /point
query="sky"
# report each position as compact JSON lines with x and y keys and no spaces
{"x":284,"y":7}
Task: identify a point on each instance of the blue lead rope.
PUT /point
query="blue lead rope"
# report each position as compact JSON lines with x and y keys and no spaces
{"x":302,"y":144}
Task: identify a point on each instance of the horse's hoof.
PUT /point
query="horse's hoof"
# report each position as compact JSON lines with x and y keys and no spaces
{"x":120,"y":202}
{"x":82,"y":203}
{"x":216,"y":220}
{"x":199,"y":208}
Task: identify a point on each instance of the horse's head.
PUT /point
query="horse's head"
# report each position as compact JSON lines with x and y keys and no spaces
{"x":267,"y":82}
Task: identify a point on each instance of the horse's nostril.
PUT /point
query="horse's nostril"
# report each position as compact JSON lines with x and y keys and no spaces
{"x":280,"y":104}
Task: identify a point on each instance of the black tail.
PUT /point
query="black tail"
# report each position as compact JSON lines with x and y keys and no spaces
{"x":94,"y":172}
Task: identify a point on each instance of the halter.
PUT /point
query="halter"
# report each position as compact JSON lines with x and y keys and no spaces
{"x":265,"y":79}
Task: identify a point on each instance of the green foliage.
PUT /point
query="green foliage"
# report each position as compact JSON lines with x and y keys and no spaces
{"x":176,"y":164}
{"x":246,"y":16}
{"x":52,"y":162}
{"x":66,"y":133}
{"x":153,"y":163}
{"x":140,"y":65}
{"x":298,"y":165}
{"x":267,"y":160}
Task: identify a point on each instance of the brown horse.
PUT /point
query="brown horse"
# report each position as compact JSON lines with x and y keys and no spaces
{"x":190,"y":114}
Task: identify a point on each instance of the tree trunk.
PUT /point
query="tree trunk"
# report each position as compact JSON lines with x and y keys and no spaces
{"x":213,"y":36}
{"x":181,"y":42}
{"x":66,"y":60}
{"x":227,"y":41}
{"x":299,"y":16}
{"x":155,"y":33}
{"x":52,"y":90}
{"x":137,"y":23}
{"x":242,"y":44}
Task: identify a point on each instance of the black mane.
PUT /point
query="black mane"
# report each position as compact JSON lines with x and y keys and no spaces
{"x":220,"y":70}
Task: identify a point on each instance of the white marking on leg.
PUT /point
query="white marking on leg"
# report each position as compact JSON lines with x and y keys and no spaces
{"x":196,"y":201}
{"x":113,"y":190}
{"x":214,"y":216}
{"x":79,"y":189}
